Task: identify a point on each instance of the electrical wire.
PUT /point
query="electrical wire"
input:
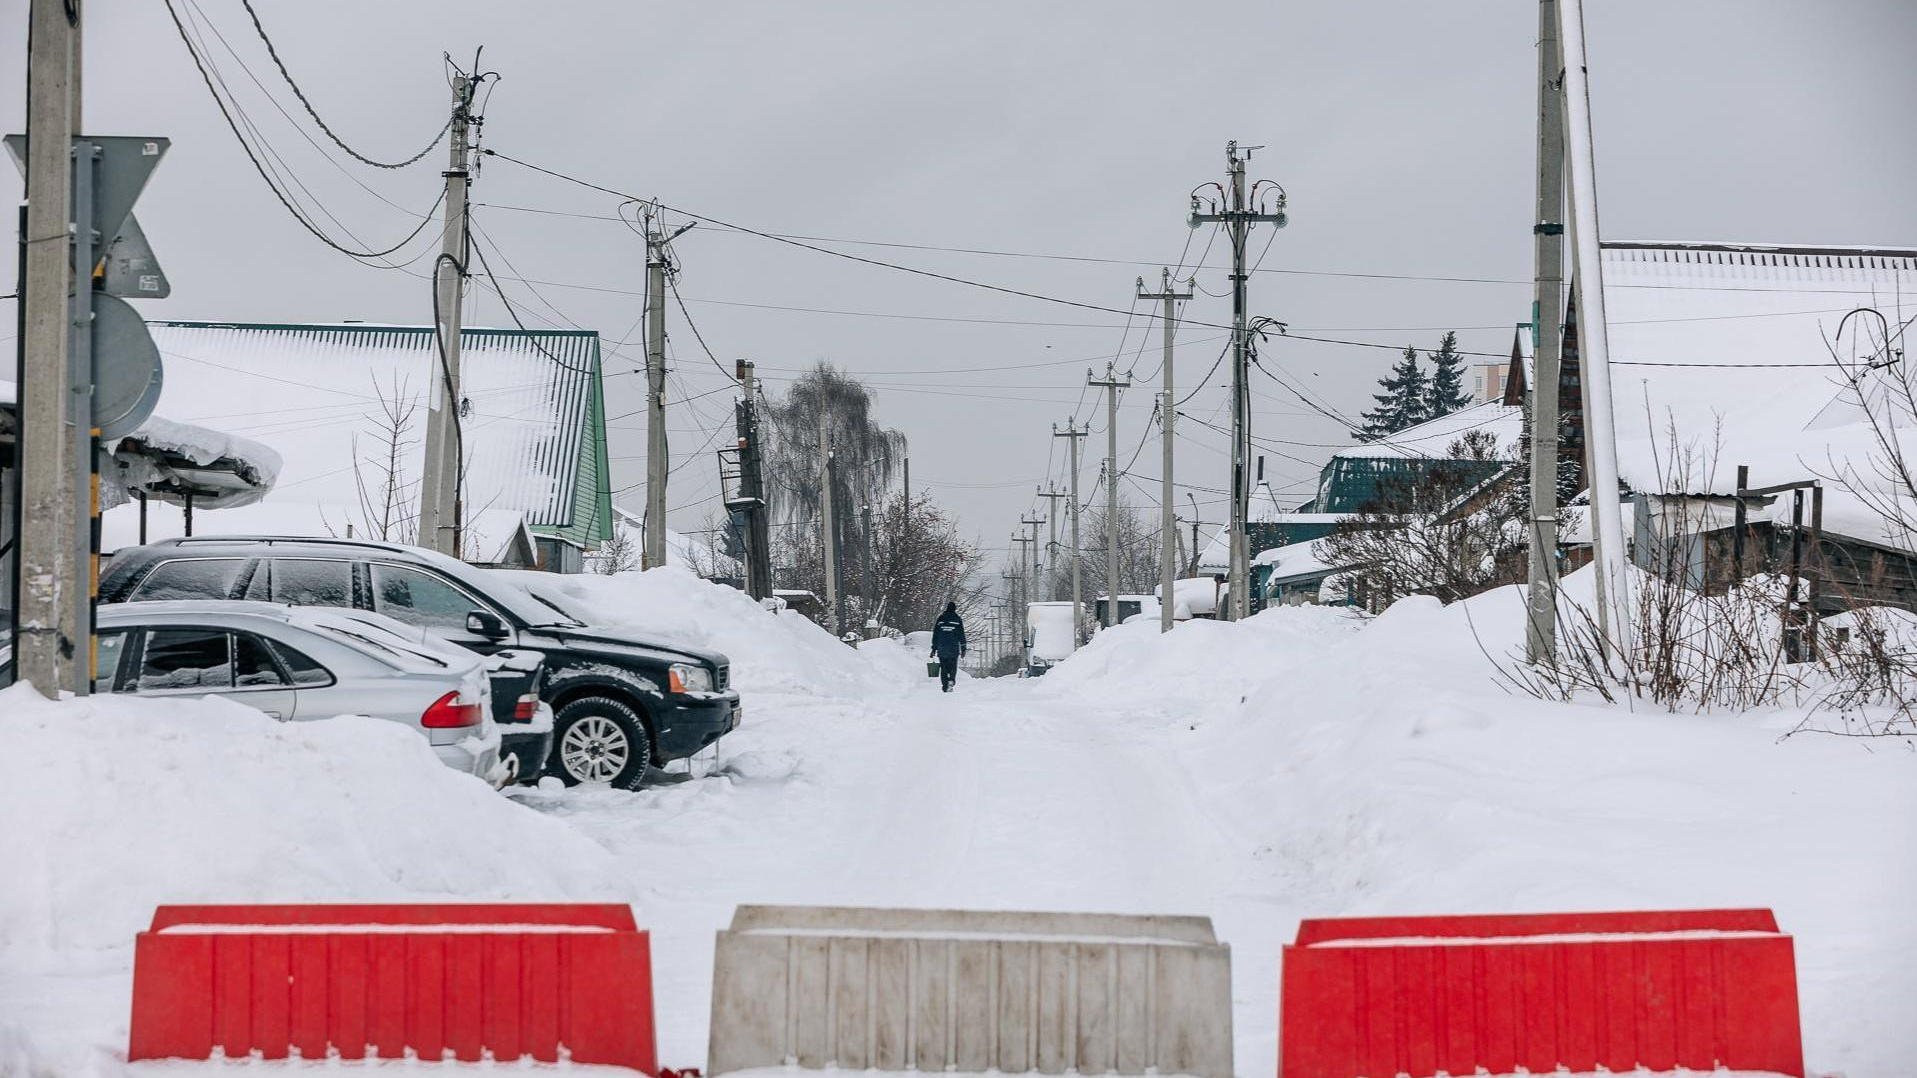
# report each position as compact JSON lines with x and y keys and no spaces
{"x":284,"y":200}
{"x":673,"y":285}
{"x":310,"y":111}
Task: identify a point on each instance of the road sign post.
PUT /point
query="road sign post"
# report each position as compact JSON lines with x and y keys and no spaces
{"x":112,"y":376}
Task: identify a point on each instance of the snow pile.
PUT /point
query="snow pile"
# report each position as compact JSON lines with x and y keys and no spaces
{"x":136,"y":802}
{"x":1400,"y":779}
{"x":124,"y":804}
{"x":781,"y":652}
{"x":1200,"y":665}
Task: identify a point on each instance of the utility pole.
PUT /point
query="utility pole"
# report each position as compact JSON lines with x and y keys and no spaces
{"x":1168,"y":523}
{"x":1547,"y":316}
{"x":828,"y":535}
{"x":758,"y":559}
{"x":1032,"y":570}
{"x":1023,"y":595}
{"x":1111,"y":384}
{"x":444,"y":472}
{"x":1231,"y":211}
{"x":1051,"y":497}
{"x":1607,"y":526}
{"x":1076,"y":435}
{"x":49,"y":630}
{"x":658,"y":264}
{"x":865,"y":572}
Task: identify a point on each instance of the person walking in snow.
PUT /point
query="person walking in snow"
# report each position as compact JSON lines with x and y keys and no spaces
{"x":948,"y":643}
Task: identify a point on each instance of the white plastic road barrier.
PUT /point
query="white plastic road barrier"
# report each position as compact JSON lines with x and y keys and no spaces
{"x":939,"y":990}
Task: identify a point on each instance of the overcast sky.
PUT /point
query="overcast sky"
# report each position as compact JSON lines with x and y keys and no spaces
{"x":1402,"y":129}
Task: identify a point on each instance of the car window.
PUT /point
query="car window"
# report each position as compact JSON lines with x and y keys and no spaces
{"x":190,"y":578}
{"x":107,"y":660}
{"x":312,"y":582}
{"x":186,"y":659}
{"x":303,"y":669}
{"x":418,"y":598}
{"x":253,"y":665}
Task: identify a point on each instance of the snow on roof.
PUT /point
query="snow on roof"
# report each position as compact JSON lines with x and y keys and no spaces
{"x":1433,"y":437}
{"x":316,"y":395}
{"x":682,"y":550}
{"x":1751,"y":324}
{"x":1291,"y":562}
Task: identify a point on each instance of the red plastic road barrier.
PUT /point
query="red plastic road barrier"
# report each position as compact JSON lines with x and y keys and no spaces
{"x":459,"y":981}
{"x":1383,"y":996}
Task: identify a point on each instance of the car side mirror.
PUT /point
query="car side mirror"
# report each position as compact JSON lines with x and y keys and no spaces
{"x":487,"y":624}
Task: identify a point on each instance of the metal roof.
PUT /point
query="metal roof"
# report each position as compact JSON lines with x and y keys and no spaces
{"x":535,"y":435}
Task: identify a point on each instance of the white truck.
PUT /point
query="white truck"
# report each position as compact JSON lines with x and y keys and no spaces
{"x":1048,"y":636}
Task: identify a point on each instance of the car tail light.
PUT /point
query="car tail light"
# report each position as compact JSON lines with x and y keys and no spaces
{"x":526,"y":708}
{"x":450,"y":711}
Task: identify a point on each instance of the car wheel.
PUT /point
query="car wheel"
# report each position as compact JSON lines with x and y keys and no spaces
{"x":600,"y":742}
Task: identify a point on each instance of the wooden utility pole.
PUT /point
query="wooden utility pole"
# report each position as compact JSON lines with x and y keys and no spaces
{"x":1111,"y":384}
{"x":1167,"y":411}
{"x":441,"y":477}
{"x":1547,"y":317}
{"x":50,"y":634}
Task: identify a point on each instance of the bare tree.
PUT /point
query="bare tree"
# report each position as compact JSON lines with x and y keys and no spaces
{"x":1454,"y":528}
{"x":388,"y":500}
{"x":1139,"y":545}
{"x":619,"y":554}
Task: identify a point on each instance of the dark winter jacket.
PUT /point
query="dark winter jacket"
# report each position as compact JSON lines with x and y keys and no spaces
{"x":948,"y":635}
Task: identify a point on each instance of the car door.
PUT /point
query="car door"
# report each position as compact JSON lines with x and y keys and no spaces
{"x":190,"y":661}
{"x":431,"y":602}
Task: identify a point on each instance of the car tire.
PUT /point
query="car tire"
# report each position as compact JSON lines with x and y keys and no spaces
{"x":600,"y":741}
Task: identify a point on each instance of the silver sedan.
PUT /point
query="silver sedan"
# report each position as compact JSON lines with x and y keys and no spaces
{"x":298,"y":663}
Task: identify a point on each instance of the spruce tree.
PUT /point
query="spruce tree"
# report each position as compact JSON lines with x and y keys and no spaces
{"x":1446,"y":393}
{"x":1402,"y":404}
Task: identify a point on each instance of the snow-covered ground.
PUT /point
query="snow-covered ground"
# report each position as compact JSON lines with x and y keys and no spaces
{"x":1303,"y":763}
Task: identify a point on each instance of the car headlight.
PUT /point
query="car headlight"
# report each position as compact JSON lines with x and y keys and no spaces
{"x":685,"y":678}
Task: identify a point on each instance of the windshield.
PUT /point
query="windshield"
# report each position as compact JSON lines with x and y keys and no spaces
{"x":569,"y":617}
{"x":498,"y":587}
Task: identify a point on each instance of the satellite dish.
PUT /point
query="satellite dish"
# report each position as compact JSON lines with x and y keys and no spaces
{"x":126,"y":368}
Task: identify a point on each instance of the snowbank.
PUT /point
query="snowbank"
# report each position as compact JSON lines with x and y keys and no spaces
{"x":770,"y":652}
{"x":121,"y":804}
{"x":1201,"y":665}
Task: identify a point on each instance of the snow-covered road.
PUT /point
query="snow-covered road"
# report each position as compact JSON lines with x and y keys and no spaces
{"x":991,"y":797}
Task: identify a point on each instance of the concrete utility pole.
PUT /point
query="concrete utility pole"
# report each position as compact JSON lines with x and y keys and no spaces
{"x":828,"y":535}
{"x":658,"y":264}
{"x":1237,"y":219}
{"x":1167,"y":411}
{"x":444,"y":472}
{"x":1111,"y":384}
{"x":1547,"y":317}
{"x":758,"y":559}
{"x":1033,"y":567}
{"x":1076,"y":435}
{"x":51,"y":634}
{"x":1607,"y":526}
{"x":1022,"y":597}
{"x":1051,"y":544}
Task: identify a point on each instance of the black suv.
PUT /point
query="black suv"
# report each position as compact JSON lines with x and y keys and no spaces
{"x":620,"y":704}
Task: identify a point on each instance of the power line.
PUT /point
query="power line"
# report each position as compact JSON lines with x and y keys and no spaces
{"x":201,"y":65}
{"x":310,"y":111}
{"x":913,"y":270}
